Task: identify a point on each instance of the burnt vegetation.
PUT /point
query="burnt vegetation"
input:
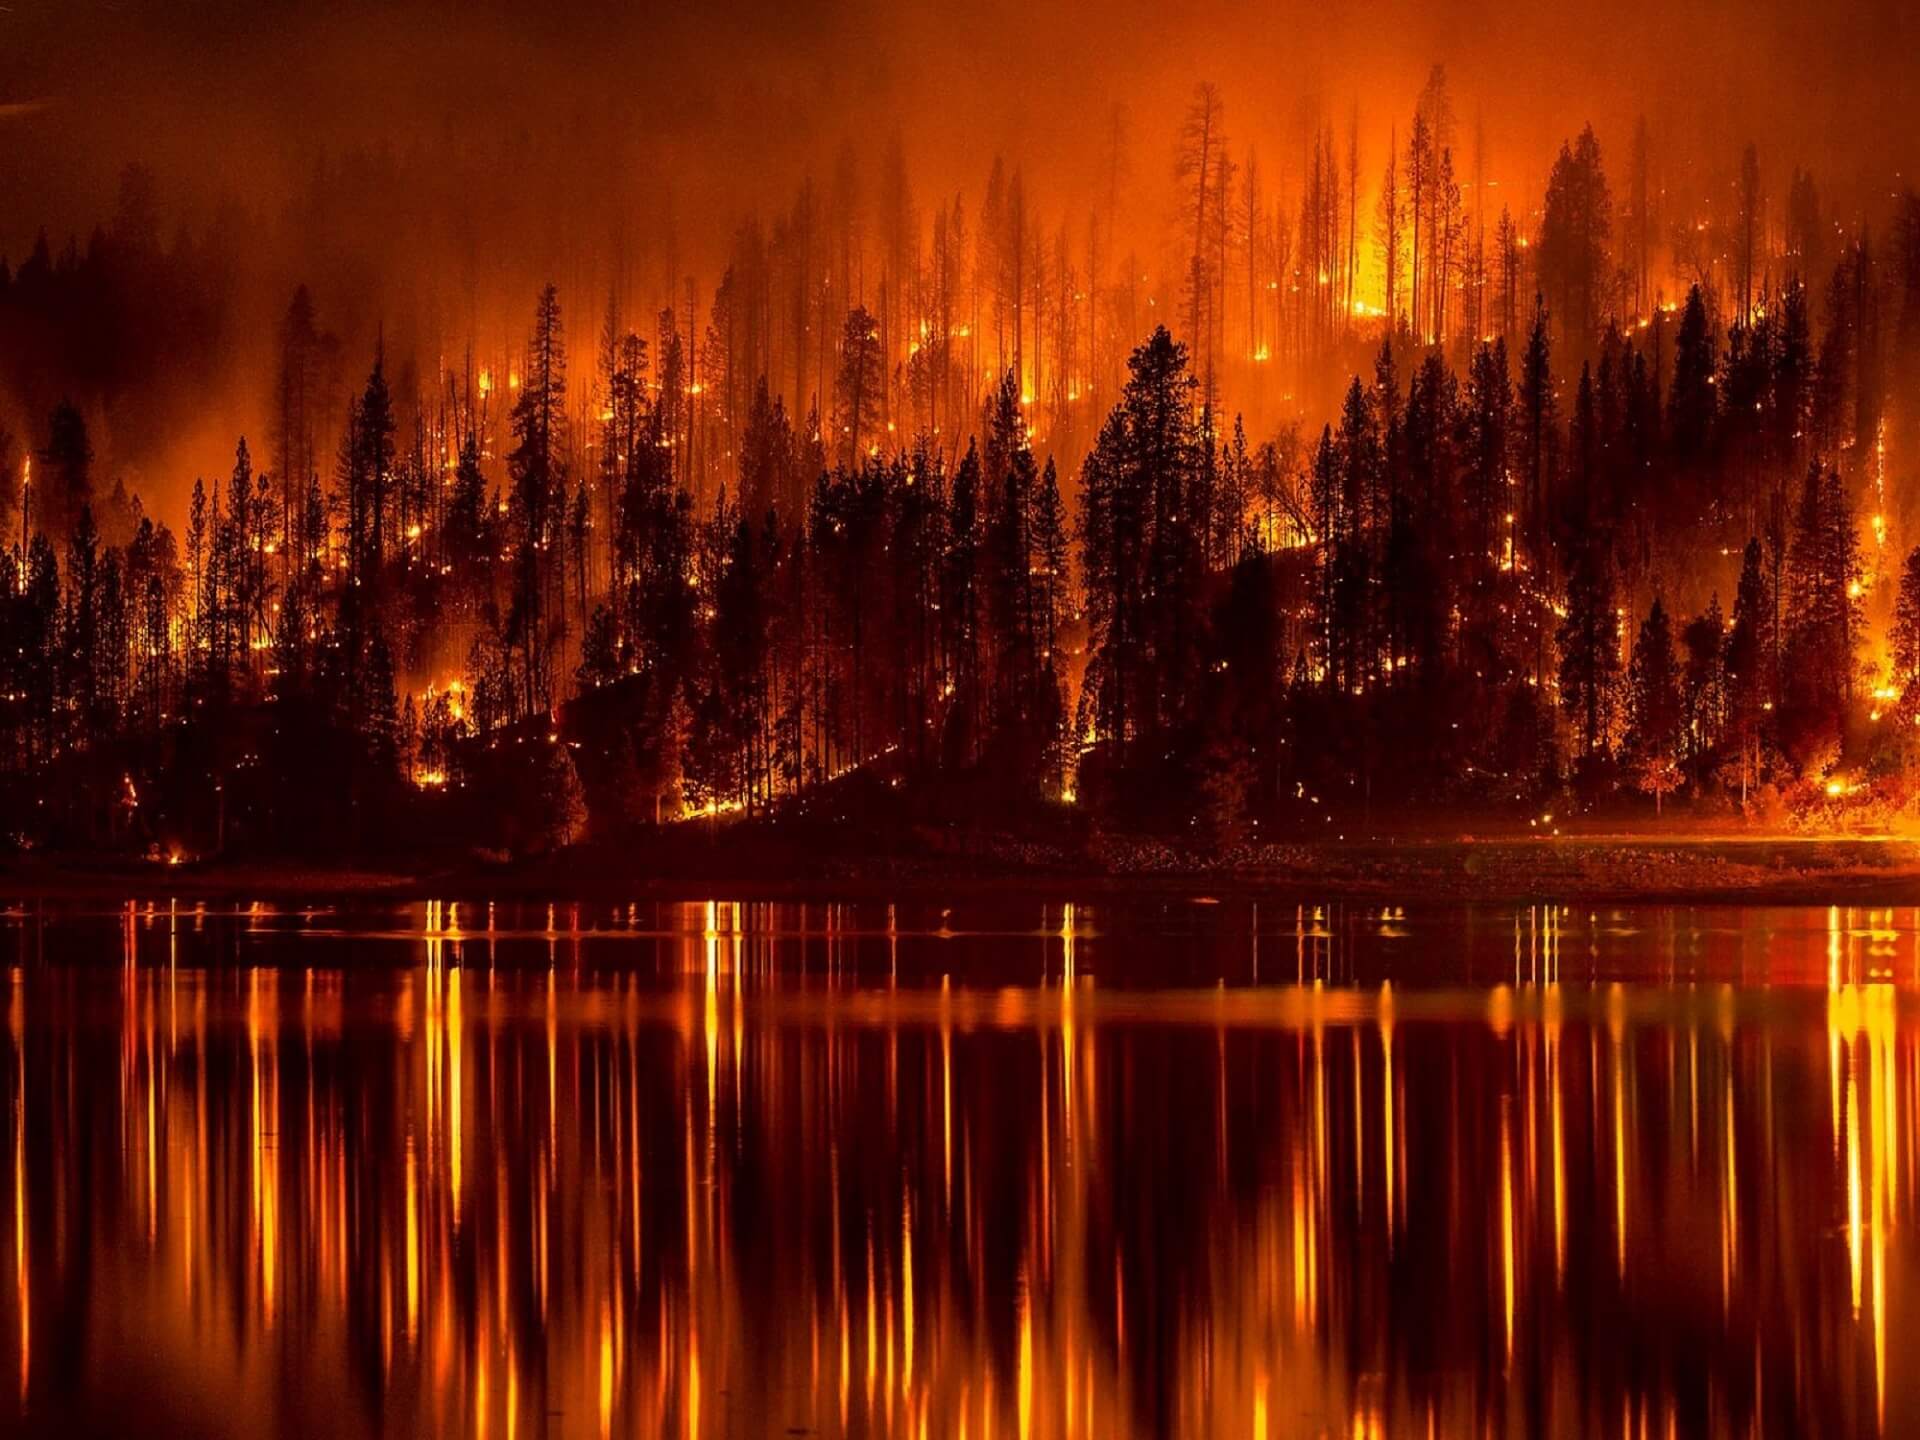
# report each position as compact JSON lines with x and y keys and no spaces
{"x":1577,"y":503}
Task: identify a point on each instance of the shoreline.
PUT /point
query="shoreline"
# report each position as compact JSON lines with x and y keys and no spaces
{"x":1650,"y":867}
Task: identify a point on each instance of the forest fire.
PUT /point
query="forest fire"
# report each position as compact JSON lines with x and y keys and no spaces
{"x":1123,"y":720}
{"x":1419,"y":451}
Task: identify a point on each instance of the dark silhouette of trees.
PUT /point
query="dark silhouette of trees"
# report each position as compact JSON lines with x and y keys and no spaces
{"x":858,"y":392}
{"x":537,"y":476}
{"x":1589,"y":639}
{"x":1574,"y":233}
{"x":1903,"y":639}
{"x":1704,"y":689}
{"x":1691,"y":411}
{"x":900,"y":511}
{"x":1140,"y":554}
{"x":1823,"y":619}
{"x":1654,"y":714}
{"x":1751,"y":676}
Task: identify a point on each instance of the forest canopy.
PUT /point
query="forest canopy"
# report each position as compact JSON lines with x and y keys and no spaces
{"x":1260,"y":470}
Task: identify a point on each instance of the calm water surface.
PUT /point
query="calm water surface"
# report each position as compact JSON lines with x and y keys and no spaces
{"x":1001,"y":1170}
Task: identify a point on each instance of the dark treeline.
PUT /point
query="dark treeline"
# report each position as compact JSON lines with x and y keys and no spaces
{"x":1425,"y":605}
{"x":1600,"y":551}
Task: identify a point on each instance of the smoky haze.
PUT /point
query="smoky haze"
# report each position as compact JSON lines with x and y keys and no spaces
{"x":424,"y":167}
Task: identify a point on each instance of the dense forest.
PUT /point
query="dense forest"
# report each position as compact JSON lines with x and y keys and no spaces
{"x":964,"y":511}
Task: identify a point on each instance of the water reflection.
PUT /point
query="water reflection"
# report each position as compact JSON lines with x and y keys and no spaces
{"x":721,"y":1170}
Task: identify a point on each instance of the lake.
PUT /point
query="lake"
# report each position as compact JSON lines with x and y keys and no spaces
{"x":1002,"y":1169}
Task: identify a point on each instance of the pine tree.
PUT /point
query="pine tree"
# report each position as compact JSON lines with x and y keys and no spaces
{"x":1051,"y":554}
{"x":1792,"y":380}
{"x":1748,"y":667}
{"x":1055,"y":587}
{"x":368,"y":476}
{"x":1574,"y":229}
{"x":740,"y":653}
{"x":1589,"y":638}
{"x":1536,"y":417}
{"x":197,"y":542}
{"x":1824,"y":619}
{"x":81,"y":639}
{"x":1355,"y":619}
{"x":1489,"y":530}
{"x":1692,"y":409}
{"x":858,"y":391}
{"x":1389,"y":230}
{"x":1654,"y":716}
{"x":536,"y":470}
{"x":1010,"y":614}
{"x":1903,"y":640}
{"x":1140,"y":553}
{"x":1160,"y":460}
{"x":961,"y":610}
{"x":379,"y":726}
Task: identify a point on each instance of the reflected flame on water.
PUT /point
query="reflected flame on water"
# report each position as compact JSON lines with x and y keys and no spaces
{"x":730,"y":1195}
{"x":1866,"y":1041}
{"x":22,"y":1276}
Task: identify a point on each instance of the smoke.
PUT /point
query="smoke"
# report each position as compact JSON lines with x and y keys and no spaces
{"x":424,"y":166}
